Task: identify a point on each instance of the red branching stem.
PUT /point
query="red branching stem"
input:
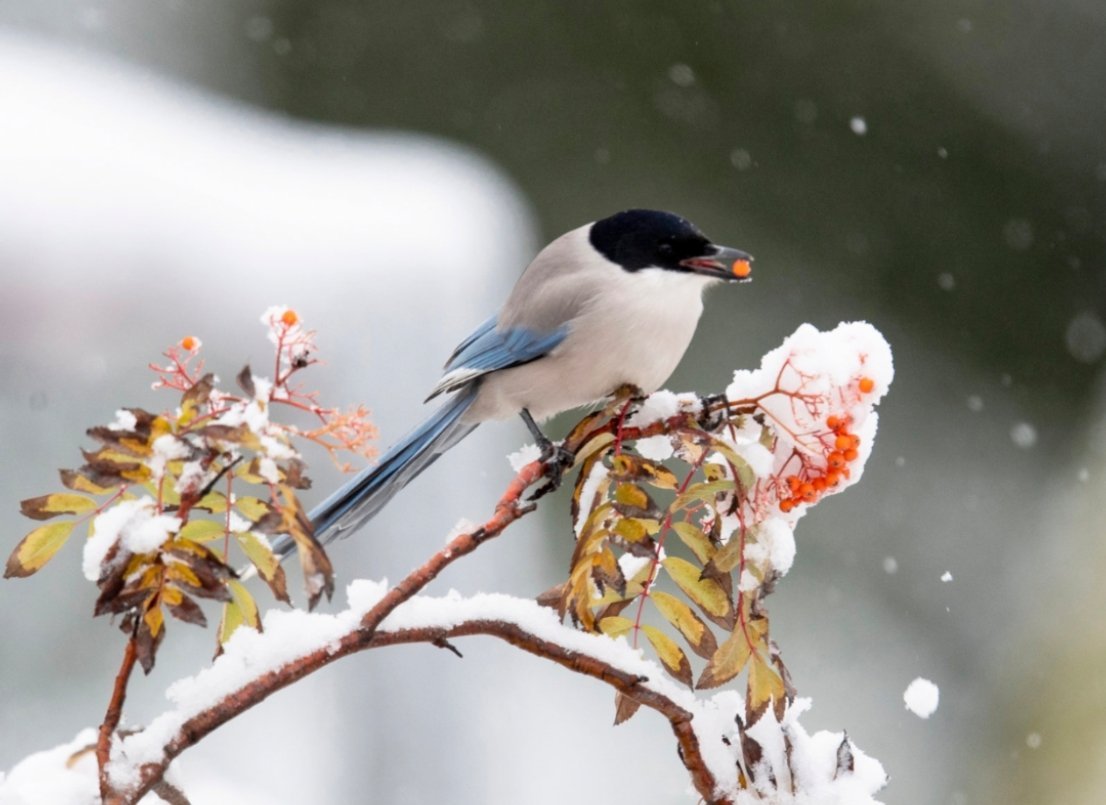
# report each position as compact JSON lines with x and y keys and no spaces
{"x":111,"y":721}
{"x":655,"y":561}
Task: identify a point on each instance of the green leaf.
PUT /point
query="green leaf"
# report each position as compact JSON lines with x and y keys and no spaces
{"x":202,"y":530}
{"x":707,"y":593}
{"x":214,"y":502}
{"x":241,"y":610}
{"x":37,"y":548}
{"x":252,"y":508}
{"x":268,"y":566}
{"x":47,"y":506}
{"x":706,"y":492}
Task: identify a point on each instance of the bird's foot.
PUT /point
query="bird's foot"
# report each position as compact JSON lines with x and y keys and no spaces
{"x":712,"y":411}
{"x":556,"y":460}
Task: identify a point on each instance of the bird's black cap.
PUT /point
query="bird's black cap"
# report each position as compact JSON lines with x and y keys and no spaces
{"x":636,"y":239}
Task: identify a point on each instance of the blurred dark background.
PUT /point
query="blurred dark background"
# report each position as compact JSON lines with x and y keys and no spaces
{"x":937,"y":168}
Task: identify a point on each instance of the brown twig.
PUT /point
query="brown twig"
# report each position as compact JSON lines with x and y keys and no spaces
{"x":111,"y":720}
{"x":509,"y":508}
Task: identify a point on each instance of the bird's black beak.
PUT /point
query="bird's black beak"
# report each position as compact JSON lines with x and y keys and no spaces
{"x":723,"y":263}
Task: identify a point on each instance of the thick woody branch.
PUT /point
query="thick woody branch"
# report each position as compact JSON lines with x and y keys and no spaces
{"x":629,"y":684}
{"x":509,"y":508}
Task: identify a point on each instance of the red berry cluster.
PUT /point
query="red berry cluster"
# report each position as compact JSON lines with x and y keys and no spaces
{"x":814,"y":481}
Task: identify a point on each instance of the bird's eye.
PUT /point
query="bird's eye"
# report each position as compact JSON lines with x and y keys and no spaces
{"x":665,"y":249}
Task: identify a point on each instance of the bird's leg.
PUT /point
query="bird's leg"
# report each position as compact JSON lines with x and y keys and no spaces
{"x":556,"y":458}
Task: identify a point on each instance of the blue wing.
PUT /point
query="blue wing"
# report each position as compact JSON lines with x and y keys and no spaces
{"x":490,"y":349}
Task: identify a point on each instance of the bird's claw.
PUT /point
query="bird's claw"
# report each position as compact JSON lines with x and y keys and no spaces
{"x":710,"y":419}
{"x":556,"y":460}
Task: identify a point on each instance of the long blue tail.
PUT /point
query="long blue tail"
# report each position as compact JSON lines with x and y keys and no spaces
{"x":359,"y":500}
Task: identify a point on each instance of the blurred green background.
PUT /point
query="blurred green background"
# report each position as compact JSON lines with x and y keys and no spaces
{"x":938,"y":168}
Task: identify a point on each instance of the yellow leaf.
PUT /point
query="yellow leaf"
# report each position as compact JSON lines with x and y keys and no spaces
{"x":698,"y":635}
{"x":202,"y":530}
{"x":765,"y":686}
{"x":73,"y":479}
{"x":631,"y":495}
{"x":253,"y":508}
{"x":214,"y":502}
{"x":727,"y":661}
{"x":47,"y":506}
{"x":631,"y":529}
{"x":670,"y":655}
{"x":37,"y":548}
{"x":180,"y":572}
{"x":154,"y":620}
{"x":615,"y":625}
{"x":258,"y":552}
{"x":728,"y":556}
{"x":241,"y":610}
{"x":706,"y":492}
{"x":694,"y":538}
{"x":707,"y":593}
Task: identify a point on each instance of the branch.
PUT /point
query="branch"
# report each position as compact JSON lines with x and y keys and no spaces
{"x":187,"y":725}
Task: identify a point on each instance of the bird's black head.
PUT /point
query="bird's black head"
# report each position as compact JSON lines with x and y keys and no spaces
{"x":637,"y":239}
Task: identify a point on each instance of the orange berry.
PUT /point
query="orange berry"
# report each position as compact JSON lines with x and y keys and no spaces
{"x":189,"y":343}
{"x":833,"y":422}
{"x":793,"y":483}
{"x":855,"y":440}
{"x":806,"y":489}
{"x":835,"y":460}
{"x":742,"y":269}
{"x":289,"y":317}
{"x":833,"y":478}
{"x":851,"y":454}
{"x":787,"y":504}
{"x":843,"y":442}
{"x":819,"y":484}
{"x":866,"y":385}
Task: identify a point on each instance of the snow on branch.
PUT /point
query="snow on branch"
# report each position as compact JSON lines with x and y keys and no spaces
{"x":684,"y":511}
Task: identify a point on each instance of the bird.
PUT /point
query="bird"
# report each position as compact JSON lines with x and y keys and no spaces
{"x":612,"y":303}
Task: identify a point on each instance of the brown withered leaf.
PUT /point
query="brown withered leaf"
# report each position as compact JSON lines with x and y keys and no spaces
{"x":671,"y":656}
{"x":37,"y":548}
{"x":46,"y":506}
{"x":615,"y":607}
{"x":199,"y":569}
{"x":318,"y":573}
{"x":187,"y":610}
{"x":130,"y":598}
{"x":148,"y":639}
{"x":697,"y":634}
{"x":788,"y":686}
{"x":629,"y":467}
{"x":196,"y":396}
{"x":605,"y":572}
{"x":845,"y":760}
{"x":109,"y":467}
{"x":245,"y":381}
{"x":295,"y":474}
{"x":79,"y":482}
{"x":624,"y":708}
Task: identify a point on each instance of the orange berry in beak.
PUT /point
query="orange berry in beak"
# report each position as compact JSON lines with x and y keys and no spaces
{"x":289,"y":317}
{"x":742,"y":269}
